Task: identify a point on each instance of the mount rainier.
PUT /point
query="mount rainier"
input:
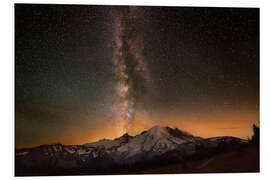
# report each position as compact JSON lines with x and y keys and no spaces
{"x":156,"y":145}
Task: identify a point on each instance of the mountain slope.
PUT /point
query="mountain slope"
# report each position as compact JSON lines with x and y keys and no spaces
{"x":156,"y":144}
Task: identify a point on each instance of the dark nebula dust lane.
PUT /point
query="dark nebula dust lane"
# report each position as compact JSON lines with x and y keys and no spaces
{"x":129,"y":65}
{"x":85,"y":72}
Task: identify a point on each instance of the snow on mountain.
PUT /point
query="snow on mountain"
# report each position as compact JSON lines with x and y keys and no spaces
{"x":157,"y":139}
{"x":108,"y":144}
{"x":126,"y":149}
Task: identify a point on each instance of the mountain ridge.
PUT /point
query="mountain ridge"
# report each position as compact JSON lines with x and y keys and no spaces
{"x":155,"y":144}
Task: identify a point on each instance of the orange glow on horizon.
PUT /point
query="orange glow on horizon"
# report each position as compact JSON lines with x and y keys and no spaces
{"x":238,"y":124}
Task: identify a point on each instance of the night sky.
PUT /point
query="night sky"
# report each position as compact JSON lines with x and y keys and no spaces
{"x":83,"y":73}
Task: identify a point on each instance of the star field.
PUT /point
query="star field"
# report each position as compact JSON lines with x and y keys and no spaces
{"x":86,"y":72}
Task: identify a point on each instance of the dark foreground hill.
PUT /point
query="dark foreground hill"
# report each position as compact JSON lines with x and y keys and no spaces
{"x":157,"y":150}
{"x":238,"y":161}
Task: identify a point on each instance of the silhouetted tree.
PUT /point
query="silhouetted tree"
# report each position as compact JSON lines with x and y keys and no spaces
{"x":255,"y":139}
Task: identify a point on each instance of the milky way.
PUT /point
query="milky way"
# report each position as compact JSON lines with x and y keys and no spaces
{"x":129,"y":66}
{"x":86,"y":72}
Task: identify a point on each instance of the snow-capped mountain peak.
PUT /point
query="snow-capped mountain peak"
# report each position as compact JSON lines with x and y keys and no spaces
{"x":158,"y":139}
{"x":158,"y":131}
{"x":125,"y":149}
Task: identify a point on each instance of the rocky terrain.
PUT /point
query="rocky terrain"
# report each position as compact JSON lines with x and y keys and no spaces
{"x":158,"y":146}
